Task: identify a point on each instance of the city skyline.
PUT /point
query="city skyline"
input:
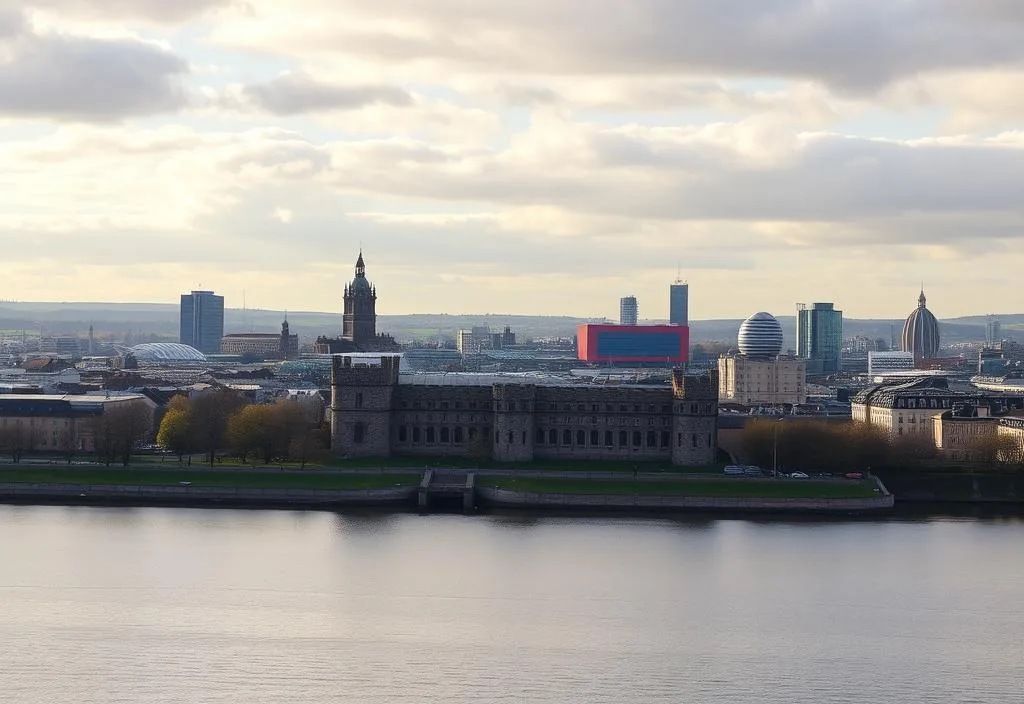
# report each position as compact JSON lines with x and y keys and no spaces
{"x":535,"y":157}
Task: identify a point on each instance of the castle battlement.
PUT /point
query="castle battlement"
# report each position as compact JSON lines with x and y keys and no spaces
{"x":346,"y":371}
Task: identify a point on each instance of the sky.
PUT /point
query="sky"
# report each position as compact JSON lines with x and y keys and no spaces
{"x":538,"y":157}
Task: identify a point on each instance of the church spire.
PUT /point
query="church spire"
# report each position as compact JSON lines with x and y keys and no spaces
{"x":921,"y":300}
{"x":360,"y":266}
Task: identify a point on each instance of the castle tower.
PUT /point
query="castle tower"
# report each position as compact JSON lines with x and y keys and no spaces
{"x":361,"y":406}
{"x":694,"y":419}
{"x":513,"y":422}
{"x":359,"y":322}
{"x":283,"y":345}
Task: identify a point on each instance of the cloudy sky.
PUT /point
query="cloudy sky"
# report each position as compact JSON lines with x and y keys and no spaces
{"x":534,"y":157}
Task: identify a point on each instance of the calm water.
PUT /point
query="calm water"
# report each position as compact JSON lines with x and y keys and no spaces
{"x":176,"y":605}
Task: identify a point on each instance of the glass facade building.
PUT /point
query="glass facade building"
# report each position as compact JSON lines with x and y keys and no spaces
{"x":679,"y":304}
{"x":202,"y":321}
{"x":819,"y":337}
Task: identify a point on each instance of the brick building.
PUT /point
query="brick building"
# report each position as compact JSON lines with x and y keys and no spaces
{"x":375,"y":412}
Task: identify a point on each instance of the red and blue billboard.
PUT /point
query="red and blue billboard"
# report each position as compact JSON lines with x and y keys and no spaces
{"x":633,"y":344}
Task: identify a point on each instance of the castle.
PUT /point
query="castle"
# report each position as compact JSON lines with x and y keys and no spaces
{"x":359,"y":320}
{"x":374,"y":413}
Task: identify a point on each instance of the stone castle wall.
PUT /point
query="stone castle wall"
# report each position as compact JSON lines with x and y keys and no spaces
{"x":521,"y":422}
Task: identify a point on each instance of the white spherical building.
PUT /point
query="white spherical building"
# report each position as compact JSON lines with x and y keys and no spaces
{"x":761,"y":336}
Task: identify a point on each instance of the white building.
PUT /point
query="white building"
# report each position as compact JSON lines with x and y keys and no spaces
{"x":753,"y":381}
{"x":881,"y":363}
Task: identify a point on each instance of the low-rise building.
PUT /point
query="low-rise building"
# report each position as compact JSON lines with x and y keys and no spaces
{"x":758,"y":381}
{"x":1011,"y":433}
{"x":58,"y":423}
{"x":961,"y":434}
{"x":262,"y":345}
{"x":377,"y":412}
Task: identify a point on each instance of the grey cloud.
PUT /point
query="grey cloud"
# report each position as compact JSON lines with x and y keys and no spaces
{"x":169,"y":11}
{"x":296,"y":93}
{"x":853,"y":45}
{"x":64,"y":77}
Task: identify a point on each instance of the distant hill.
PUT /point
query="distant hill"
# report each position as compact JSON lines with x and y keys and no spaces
{"x":161,"y":320}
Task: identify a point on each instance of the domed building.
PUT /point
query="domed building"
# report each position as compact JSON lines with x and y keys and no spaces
{"x":921,"y":331}
{"x":759,"y":375}
{"x":166,"y":353}
{"x":761,"y":336}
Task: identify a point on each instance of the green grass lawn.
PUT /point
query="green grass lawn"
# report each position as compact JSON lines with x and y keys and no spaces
{"x":550,"y":465}
{"x":732,"y":488}
{"x":231,"y":478}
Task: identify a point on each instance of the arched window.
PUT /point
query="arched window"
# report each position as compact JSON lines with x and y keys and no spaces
{"x":445,"y":435}
{"x":637,"y":438}
{"x":623,"y":438}
{"x":652,"y":439}
{"x":430,"y":434}
{"x":581,"y":437}
{"x":566,"y":437}
{"x":540,"y":436}
{"x":553,"y":437}
{"x":458,"y":434}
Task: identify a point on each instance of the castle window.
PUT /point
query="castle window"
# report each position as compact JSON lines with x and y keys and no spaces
{"x":693,"y":440}
{"x":650,"y":408}
{"x":553,"y":436}
{"x":608,"y":408}
{"x":679,"y":439}
{"x":622,"y":408}
{"x":580,"y":407}
{"x":709,"y":440}
{"x":693,"y":408}
{"x":430,"y":404}
{"x":623,"y":438}
{"x":511,"y":437}
{"x":664,"y":438}
{"x":637,"y":438}
{"x":472,"y":434}
{"x":593,"y":420}
{"x":358,"y":431}
{"x":458,"y":404}
{"x":524,"y":437}
{"x":445,"y":435}
{"x":510,"y":406}
{"x":566,"y":437}
{"x":430,"y":435}
{"x":593,"y":409}
{"x":403,"y":433}
{"x":472,"y":404}
{"x":593,"y":438}
{"x":581,"y":437}
{"x":652,"y":439}
{"x":415,"y":434}
{"x":608,"y":438}
{"x":667,"y":408}
{"x":444,"y":404}
{"x":415,"y":404}
{"x":405,"y":404}
{"x":650,"y":421}
{"x":539,"y":436}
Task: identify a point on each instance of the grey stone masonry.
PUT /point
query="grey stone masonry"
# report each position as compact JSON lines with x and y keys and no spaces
{"x":695,"y":419}
{"x":362,"y":407}
{"x":373,"y":415}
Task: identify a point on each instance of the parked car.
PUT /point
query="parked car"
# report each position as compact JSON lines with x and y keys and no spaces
{"x":854,"y":475}
{"x":799,"y":475}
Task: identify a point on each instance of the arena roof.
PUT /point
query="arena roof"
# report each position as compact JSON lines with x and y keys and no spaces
{"x":166,"y":353}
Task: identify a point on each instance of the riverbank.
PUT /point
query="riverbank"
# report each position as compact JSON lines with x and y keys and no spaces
{"x":402,"y":488}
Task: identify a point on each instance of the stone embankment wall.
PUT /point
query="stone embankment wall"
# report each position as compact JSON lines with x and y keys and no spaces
{"x":200,"y":495}
{"x":506,"y":497}
{"x":934,"y":486}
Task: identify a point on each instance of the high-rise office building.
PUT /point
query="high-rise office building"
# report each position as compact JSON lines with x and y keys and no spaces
{"x":819,"y":337}
{"x":202,"y":321}
{"x":679,"y":303}
{"x":993,"y":331}
{"x":628,"y":311}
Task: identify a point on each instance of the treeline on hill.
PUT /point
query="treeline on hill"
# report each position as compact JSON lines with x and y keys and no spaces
{"x":821,"y":446}
{"x":211,"y":423}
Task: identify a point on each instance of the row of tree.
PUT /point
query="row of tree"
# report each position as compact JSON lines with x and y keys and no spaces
{"x":855,"y":447}
{"x":221,"y":421}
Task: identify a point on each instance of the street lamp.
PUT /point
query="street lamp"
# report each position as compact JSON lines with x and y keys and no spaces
{"x":775,"y":448}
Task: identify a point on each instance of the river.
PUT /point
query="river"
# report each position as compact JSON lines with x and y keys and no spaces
{"x":178,"y":605}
